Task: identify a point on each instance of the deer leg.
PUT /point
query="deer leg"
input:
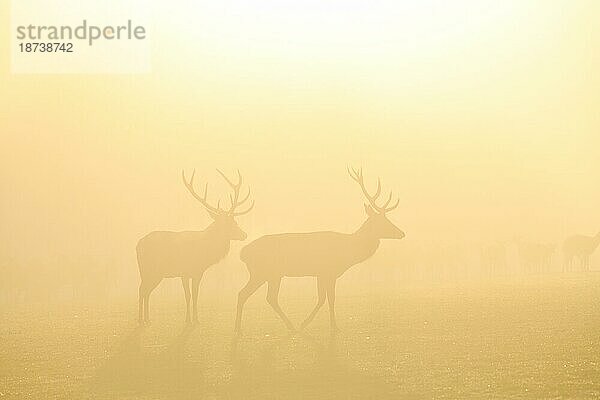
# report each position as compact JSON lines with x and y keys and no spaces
{"x":320,"y":302}
{"x":570,"y":264}
{"x":141,"y":304}
{"x":146,"y":306}
{"x":331,"y":301}
{"x":251,"y":287}
{"x":185,"y":281}
{"x":195,"y":285}
{"x":273,"y":300}
{"x":147,"y":291}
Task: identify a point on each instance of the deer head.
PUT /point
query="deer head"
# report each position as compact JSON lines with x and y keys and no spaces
{"x":377,"y":223}
{"x":224,"y":220}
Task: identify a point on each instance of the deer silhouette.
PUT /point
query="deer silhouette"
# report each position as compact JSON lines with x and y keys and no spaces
{"x":535,"y":257}
{"x":493,"y":259}
{"x":324,"y":255}
{"x":188,"y":254}
{"x":579,"y":246}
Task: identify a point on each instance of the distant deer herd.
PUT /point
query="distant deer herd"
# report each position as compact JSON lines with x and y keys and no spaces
{"x":324,"y":255}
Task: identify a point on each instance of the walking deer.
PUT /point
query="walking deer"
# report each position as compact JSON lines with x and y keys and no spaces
{"x":324,"y":255}
{"x":579,"y":246}
{"x":188,"y":254}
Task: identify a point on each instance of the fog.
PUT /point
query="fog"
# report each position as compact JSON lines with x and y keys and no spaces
{"x":91,"y":163}
{"x":488,"y":135}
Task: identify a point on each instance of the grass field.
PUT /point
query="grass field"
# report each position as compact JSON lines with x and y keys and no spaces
{"x":536,"y":339}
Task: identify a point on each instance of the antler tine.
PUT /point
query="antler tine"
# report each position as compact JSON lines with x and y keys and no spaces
{"x":357,"y":175}
{"x":378,"y":192}
{"x":203,"y":200}
{"x":350,"y":173}
{"x":237,"y":214}
{"x":245,"y":197}
{"x":393,"y":207}
{"x":238,"y":185}
{"x":384,"y":209}
{"x":387,"y":201}
{"x":234,"y":198}
{"x":235,"y":187}
{"x":240,"y":202}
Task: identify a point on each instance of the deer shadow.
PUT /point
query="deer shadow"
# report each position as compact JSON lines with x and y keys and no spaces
{"x":166,"y":373}
{"x":299,"y":366}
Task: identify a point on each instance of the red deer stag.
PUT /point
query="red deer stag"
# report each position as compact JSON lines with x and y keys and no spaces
{"x":581,"y":247}
{"x":535,"y":258}
{"x":188,"y":254}
{"x":324,"y":255}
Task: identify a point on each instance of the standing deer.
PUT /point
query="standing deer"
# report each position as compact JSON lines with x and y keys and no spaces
{"x":188,"y":254}
{"x":579,"y":246}
{"x":324,"y":255}
{"x":535,"y":258}
{"x":493,"y":259}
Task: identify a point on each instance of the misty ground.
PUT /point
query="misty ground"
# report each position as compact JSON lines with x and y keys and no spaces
{"x":538,"y":338}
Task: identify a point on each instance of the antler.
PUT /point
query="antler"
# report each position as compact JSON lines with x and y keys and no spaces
{"x":234,"y":199}
{"x":203,"y":200}
{"x":357,"y":176}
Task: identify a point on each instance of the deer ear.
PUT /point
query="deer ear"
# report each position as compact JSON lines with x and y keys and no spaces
{"x":369,"y":210}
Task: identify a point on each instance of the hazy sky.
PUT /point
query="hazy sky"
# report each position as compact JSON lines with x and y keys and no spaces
{"x":482,"y":116}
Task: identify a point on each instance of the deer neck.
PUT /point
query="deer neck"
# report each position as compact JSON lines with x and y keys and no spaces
{"x":366,"y":242}
{"x":220,"y":238}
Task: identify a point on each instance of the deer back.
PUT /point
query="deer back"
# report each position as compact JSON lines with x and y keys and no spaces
{"x":170,"y":254}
